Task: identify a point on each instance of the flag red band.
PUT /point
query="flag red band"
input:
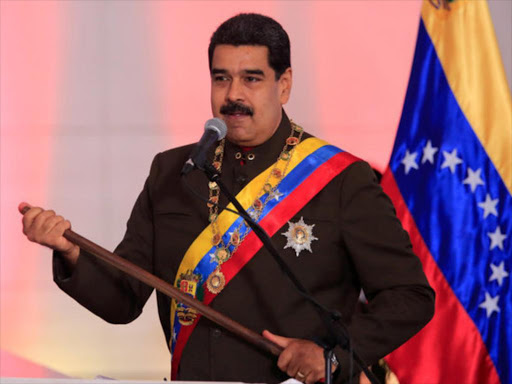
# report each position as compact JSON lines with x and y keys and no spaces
{"x":465,"y":358}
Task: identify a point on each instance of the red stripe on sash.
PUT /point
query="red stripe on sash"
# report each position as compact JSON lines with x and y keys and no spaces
{"x":419,"y":360}
{"x":274,"y":220}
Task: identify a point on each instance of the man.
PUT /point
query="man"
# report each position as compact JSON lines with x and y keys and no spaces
{"x":325,"y":212}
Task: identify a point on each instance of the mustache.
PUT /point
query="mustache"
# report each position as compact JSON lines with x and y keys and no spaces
{"x":234,"y":107}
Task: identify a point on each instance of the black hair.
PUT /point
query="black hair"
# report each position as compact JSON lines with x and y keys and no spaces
{"x":255,"y":29}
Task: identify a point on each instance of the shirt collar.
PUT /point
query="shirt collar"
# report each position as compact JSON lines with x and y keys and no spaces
{"x":264,"y":154}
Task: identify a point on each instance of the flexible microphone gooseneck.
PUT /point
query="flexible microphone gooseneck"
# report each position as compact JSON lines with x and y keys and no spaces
{"x":214,"y":130}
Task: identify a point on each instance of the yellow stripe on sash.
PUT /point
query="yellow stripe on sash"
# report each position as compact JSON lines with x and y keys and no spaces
{"x":203,"y":243}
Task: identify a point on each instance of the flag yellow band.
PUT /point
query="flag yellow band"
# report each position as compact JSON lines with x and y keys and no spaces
{"x":464,"y":40}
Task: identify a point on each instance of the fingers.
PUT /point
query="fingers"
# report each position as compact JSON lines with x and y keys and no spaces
{"x":279,"y":340}
{"x":51,"y":222}
{"x":41,"y":225}
{"x":300,"y":359}
{"x":22,"y":206}
{"x":45,"y":227}
{"x":284,"y":363}
{"x":286,"y":356}
{"x":300,"y":376}
{"x":309,"y":377}
{"x":315,"y":376}
{"x":28,"y":219}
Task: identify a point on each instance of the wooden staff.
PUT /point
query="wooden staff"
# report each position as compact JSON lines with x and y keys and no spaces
{"x":171,"y":291}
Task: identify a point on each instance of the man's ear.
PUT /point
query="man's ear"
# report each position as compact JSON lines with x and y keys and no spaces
{"x":285,"y":85}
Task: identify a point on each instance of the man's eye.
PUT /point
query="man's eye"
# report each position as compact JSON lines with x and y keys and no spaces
{"x":219,"y":78}
{"x":252,"y":79}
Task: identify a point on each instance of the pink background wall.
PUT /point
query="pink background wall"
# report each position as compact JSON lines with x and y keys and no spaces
{"x":91,"y":90}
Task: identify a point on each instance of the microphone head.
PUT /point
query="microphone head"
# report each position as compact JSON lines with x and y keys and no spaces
{"x":217,"y":125}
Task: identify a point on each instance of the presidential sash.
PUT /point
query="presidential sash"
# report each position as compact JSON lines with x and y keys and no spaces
{"x":313,"y":165}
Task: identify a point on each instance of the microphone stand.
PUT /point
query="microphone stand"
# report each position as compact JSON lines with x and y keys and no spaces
{"x":337,"y":332}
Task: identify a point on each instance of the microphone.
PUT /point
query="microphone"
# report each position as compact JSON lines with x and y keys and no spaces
{"x":214,"y":130}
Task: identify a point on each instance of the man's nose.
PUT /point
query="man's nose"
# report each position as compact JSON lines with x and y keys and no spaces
{"x":235,"y":91}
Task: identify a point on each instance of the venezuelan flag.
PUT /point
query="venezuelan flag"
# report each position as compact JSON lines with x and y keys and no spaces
{"x":450,"y":177}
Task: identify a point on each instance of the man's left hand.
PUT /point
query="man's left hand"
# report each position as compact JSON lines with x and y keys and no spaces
{"x":300,"y":359}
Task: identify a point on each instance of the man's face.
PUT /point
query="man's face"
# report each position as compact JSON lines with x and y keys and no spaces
{"x":246,"y":94}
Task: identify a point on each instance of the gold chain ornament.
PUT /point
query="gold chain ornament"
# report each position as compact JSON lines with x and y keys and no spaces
{"x":216,"y":281}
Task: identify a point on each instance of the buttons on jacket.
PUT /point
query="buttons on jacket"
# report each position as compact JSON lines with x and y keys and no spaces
{"x":241,"y":179}
{"x":216,"y":333}
{"x":245,"y":156}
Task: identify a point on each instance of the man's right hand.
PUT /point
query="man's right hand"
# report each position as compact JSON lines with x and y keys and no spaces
{"x":47,"y":228}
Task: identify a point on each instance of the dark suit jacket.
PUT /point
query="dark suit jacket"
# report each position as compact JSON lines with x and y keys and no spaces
{"x":360,"y":243}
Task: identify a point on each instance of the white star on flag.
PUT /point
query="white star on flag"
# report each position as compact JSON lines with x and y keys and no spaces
{"x":490,"y":304}
{"x":451,"y":160}
{"x":409,"y":161}
{"x":496,"y":238}
{"x":498,"y":273}
{"x":473,"y":178}
{"x":428,"y":153}
{"x":174,"y":336}
{"x":489,"y":206}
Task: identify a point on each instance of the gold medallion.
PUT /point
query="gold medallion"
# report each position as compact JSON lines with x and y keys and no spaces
{"x":222,"y":255}
{"x":258,"y":205}
{"x":235,"y":238}
{"x":267,"y":187}
{"x":276,"y":172}
{"x":213,"y":201}
{"x":216,"y":239}
{"x":216,"y":282}
{"x":292,"y":141}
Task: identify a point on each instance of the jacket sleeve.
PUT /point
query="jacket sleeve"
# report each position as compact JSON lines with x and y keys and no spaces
{"x":104,"y":290}
{"x":400,"y":299}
